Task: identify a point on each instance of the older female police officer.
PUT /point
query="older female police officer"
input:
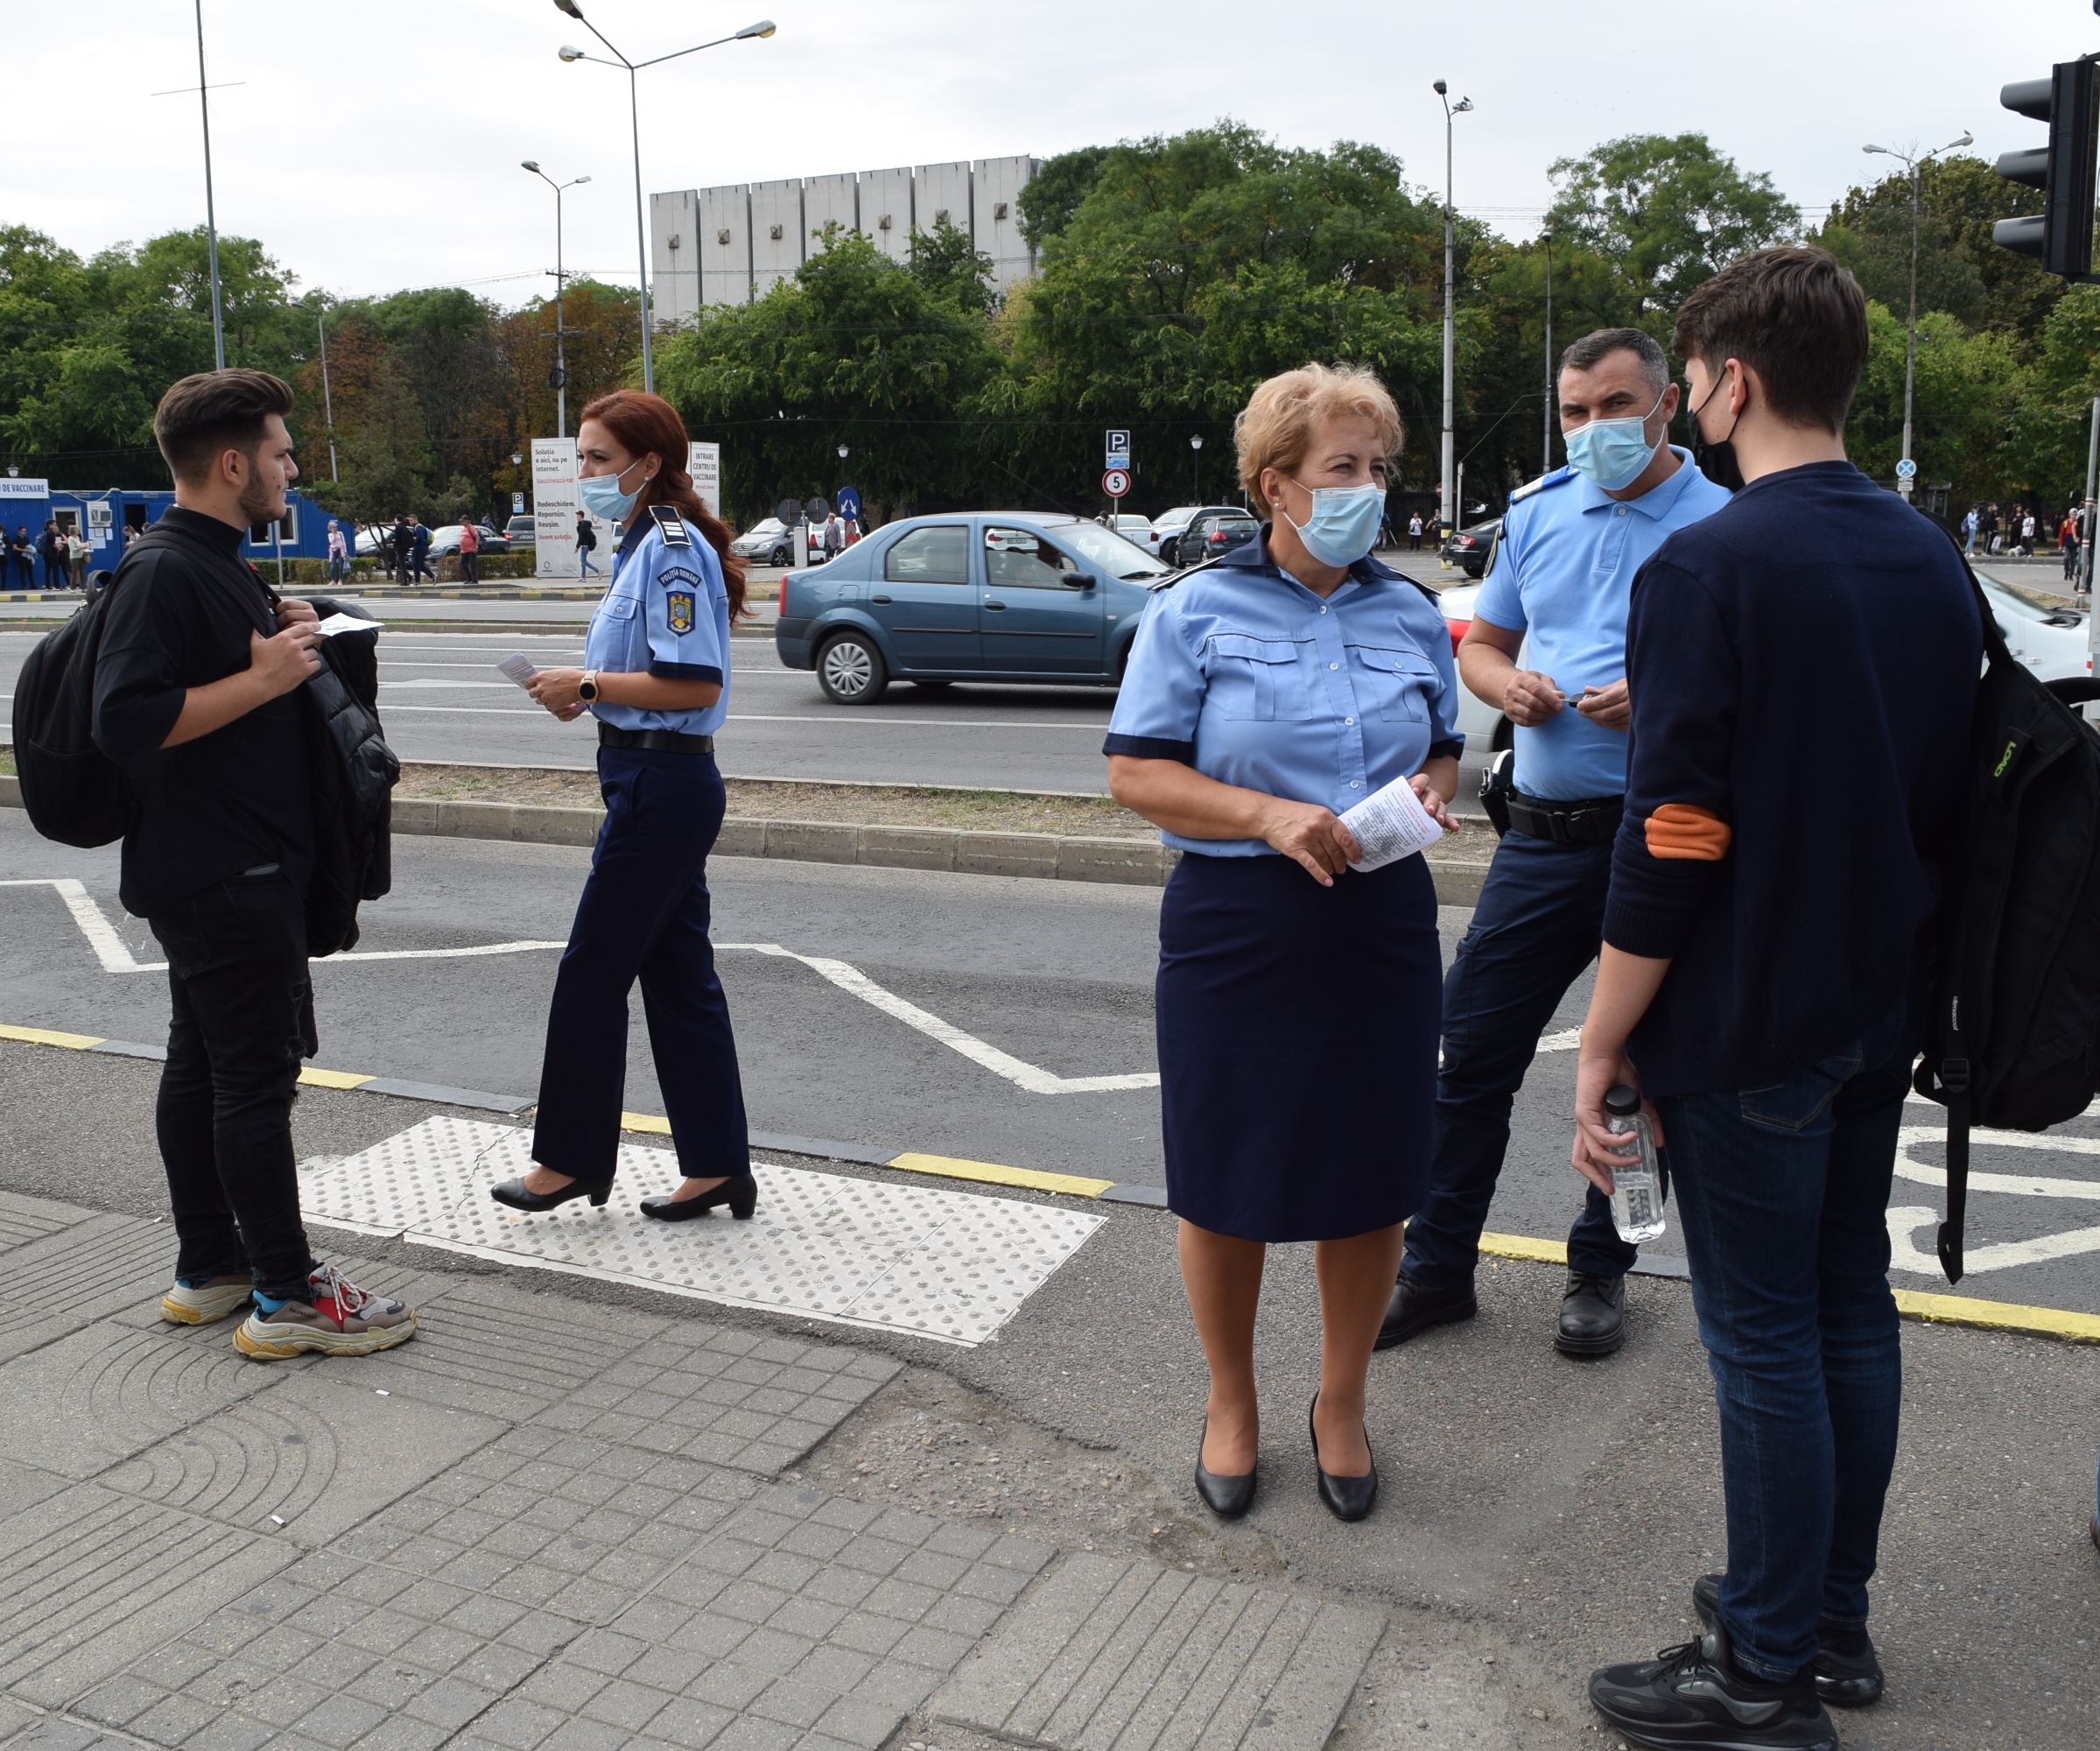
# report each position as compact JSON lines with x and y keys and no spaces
{"x":657,"y":678}
{"x":1297,"y":1001}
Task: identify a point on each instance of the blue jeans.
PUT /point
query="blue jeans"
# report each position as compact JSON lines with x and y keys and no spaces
{"x":1538,"y":923}
{"x":1781,"y":1192}
{"x":583,"y":567}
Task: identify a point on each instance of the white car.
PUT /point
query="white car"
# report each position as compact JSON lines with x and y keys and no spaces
{"x":1139,"y":531}
{"x":1170,"y":524}
{"x":1479,"y":722}
{"x":2050,"y":640}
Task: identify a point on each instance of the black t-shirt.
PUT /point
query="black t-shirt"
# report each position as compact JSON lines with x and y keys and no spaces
{"x":227,"y":803}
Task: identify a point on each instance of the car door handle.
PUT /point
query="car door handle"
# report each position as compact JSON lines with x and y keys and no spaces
{"x":994,"y":604}
{"x":881,"y":601}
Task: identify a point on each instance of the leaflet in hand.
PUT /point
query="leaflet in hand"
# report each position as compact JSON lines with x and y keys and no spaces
{"x":1389,"y":825}
{"x":519,"y":668}
{"x":345,"y":622}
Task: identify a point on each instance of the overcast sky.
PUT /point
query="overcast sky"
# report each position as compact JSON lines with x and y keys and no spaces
{"x":374,"y":145}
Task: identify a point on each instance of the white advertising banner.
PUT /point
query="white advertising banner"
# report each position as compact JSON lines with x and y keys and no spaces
{"x":17,"y":486}
{"x":554,"y":509}
{"x":704,"y":463}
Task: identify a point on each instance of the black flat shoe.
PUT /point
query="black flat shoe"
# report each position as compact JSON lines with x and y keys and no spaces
{"x":739,"y":1193}
{"x":1346,"y":1498}
{"x":519,"y":1195}
{"x":1226,"y":1497}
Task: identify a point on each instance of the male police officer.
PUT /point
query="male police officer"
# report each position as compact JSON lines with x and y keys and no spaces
{"x":1561,"y":574}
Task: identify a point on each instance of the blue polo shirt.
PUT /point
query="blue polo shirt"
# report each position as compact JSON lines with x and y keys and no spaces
{"x":1561,"y":575}
{"x":665,"y":613}
{"x":1242,"y":672}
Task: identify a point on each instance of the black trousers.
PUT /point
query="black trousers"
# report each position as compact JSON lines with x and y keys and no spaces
{"x":470,"y":568}
{"x":242,"y":1019}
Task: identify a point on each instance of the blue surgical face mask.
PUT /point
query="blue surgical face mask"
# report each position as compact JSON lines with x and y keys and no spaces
{"x":1344,"y":524}
{"x":1613,"y":452}
{"x":601,"y":495}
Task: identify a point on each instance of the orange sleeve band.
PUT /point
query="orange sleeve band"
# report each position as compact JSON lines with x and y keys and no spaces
{"x":1684,"y":830}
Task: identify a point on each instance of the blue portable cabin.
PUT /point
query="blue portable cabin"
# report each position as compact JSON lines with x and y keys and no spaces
{"x":103,"y":515}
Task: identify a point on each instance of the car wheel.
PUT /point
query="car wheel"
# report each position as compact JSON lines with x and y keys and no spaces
{"x":1475,"y":568}
{"x":779,"y":556}
{"x":1169,"y":553}
{"x":851,"y":671}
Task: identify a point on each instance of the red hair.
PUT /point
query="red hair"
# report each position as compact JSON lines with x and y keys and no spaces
{"x":649,"y":425}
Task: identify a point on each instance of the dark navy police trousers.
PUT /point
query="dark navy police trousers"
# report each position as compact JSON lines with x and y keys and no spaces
{"x":1539,"y":922}
{"x":644,"y":915}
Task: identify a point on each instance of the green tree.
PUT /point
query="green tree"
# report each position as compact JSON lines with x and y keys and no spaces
{"x":1968,"y":385}
{"x":1667,"y":211}
{"x":1054,"y":193}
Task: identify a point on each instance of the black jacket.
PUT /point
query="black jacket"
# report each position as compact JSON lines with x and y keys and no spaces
{"x":353,"y":773}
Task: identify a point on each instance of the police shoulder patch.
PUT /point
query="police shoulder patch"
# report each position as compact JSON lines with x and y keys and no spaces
{"x":1553,"y":479}
{"x":678,"y":610}
{"x":670,"y":526}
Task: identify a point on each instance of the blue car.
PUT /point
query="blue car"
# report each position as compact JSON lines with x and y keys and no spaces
{"x":976,"y":596}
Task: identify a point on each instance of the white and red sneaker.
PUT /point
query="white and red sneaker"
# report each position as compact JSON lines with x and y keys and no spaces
{"x":337,"y":1318}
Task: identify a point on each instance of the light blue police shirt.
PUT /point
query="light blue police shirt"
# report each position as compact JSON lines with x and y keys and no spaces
{"x":1561,"y":574}
{"x":666,"y":612}
{"x":1247,"y":676}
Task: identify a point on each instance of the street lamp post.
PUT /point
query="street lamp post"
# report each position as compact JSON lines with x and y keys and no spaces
{"x":765,"y":27}
{"x":1449,"y":293}
{"x":561,"y":356}
{"x":320,"y":320}
{"x":211,"y":217}
{"x":1196,"y":467}
{"x":1905,"y":479}
{"x":1546,"y":432}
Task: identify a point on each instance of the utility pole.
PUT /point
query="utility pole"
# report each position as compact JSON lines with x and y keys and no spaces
{"x":327,"y":401}
{"x":1906,"y":478}
{"x":1546,"y":434}
{"x":561,"y":281}
{"x":1448,"y":508}
{"x":211,"y":217}
{"x":2087,"y":532}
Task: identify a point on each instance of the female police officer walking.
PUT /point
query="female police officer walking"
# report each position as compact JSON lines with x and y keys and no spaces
{"x":656,"y":678}
{"x":1297,"y":1001}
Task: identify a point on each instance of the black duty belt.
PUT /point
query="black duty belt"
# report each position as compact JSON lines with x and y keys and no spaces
{"x":1591,"y":821}
{"x":664,"y":740}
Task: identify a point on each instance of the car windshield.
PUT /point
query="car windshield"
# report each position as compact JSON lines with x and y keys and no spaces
{"x":2003,"y":600}
{"x":1115,"y":555}
{"x":1180,"y":514}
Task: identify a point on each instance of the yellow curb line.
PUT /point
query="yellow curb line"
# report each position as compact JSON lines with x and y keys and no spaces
{"x":1939,"y":1310}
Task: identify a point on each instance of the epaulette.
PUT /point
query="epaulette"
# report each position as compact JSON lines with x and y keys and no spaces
{"x":1555,"y":479}
{"x":1174,"y":577}
{"x":670,"y":526}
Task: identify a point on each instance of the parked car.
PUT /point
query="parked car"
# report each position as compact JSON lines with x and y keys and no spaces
{"x":1138,"y":531}
{"x":519,"y":532}
{"x":1213,"y":531}
{"x":2050,"y":640}
{"x":1167,"y":525}
{"x":445,"y":541}
{"x":978,"y":596}
{"x":1479,"y":722}
{"x":1470,"y":547}
{"x":768,"y":541}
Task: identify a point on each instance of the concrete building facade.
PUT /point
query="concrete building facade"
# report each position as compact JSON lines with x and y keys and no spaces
{"x":733,"y":244}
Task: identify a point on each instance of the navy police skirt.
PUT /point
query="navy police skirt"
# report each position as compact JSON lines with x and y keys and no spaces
{"x":1297,"y":1046}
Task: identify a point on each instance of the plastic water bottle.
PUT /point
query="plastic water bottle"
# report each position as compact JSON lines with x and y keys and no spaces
{"x":1636,"y":1187}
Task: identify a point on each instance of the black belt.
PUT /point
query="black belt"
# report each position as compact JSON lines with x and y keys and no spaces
{"x":1591,"y":821}
{"x":664,"y":740}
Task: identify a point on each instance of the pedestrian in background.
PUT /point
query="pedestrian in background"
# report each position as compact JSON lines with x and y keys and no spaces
{"x":656,"y":677}
{"x":1415,"y":533}
{"x":76,"y":557}
{"x":1296,"y":999}
{"x":51,"y":551}
{"x":418,"y":547}
{"x":1764,"y":1003}
{"x":23,"y":551}
{"x":2066,"y":542}
{"x":196,"y":698}
{"x":587,"y":541}
{"x":1968,"y":524}
{"x":399,"y":542}
{"x":470,"y":553}
{"x":339,"y":553}
{"x":1557,"y":592}
{"x":834,"y":537}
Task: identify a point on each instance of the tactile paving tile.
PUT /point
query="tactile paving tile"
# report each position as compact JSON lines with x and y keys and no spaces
{"x":947,"y":1265}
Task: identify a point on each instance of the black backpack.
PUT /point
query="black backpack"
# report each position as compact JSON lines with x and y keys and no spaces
{"x":74,"y":792}
{"x":2013,"y":1038}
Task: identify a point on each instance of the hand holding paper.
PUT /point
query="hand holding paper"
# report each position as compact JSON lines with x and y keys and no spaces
{"x":518,"y":668}
{"x":1389,"y":825}
{"x":345,"y":622}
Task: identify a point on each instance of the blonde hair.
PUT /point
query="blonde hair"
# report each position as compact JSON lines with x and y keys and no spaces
{"x":1276,"y":426}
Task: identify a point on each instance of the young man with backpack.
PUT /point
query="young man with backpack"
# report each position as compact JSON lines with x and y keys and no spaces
{"x":195,"y":700}
{"x":1803,"y":670}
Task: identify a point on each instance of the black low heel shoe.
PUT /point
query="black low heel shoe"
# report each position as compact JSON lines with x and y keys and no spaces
{"x":518,"y":1196}
{"x":739,"y":1193}
{"x":1346,"y":1498}
{"x":1226,"y":1497}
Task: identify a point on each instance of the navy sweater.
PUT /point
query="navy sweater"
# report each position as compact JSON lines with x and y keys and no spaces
{"x":1802,"y":666}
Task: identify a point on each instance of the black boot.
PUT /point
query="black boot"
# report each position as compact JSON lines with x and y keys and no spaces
{"x":1413,"y":1309}
{"x":1593,"y":1315}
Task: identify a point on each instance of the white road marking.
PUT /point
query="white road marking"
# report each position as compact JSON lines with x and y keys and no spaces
{"x":1567,"y":1041}
{"x":1905,"y":1219}
{"x":1028,"y":1076}
{"x":1905,"y":1253}
{"x":109,"y":948}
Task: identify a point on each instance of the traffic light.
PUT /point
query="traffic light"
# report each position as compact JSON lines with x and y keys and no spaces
{"x":2060,"y":235}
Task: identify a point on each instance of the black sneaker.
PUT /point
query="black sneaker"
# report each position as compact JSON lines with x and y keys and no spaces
{"x":1414,"y":1310}
{"x":1846,"y":1680}
{"x":1695,"y":1695}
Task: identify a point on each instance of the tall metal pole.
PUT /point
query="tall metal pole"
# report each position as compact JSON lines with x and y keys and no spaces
{"x":1449,"y":508}
{"x":634,"y":116}
{"x":327,"y":401}
{"x":1545,"y":436}
{"x":1906,"y":481}
{"x":211,"y":217}
{"x":561,"y":356}
{"x":2092,"y":479}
